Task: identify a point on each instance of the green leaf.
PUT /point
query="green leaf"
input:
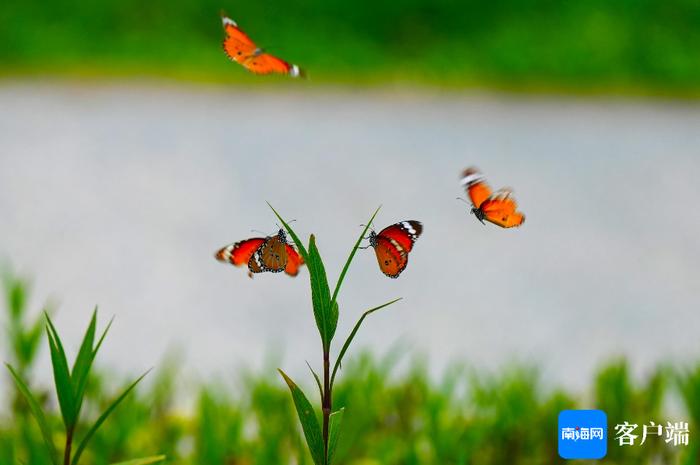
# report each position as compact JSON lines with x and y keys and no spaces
{"x":61,"y":375}
{"x":309,"y":422}
{"x":31,"y":341}
{"x":336,"y":420}
{"x":83,"y":362}
{"x":318,"y":380}
{"x":38,"y":414}
{"x":86,"y":357}
{"x":295,"y":238}
{"x":143,"y":461}
{"x":16,"y":296}
{"x":352,"y":255}
{"x":352,"y":336}
{"x":102,"y":418}
{"x":320,"y":295}
{"x":333,"y":319}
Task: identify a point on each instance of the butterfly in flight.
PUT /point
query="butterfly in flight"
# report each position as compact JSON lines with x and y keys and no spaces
{"x":241,"y":49}
{"x":272,"y":254}
{"x":497,"y":207}
{"x":393,"y":244}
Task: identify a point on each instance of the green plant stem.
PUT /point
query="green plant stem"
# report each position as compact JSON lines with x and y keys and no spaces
{"x":326,"y":401}
{"x":69,"y":445}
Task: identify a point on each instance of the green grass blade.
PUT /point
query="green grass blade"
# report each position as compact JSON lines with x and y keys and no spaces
{"x":309,"y":421}
{"x":352,"y":255}
{"x":102,"y":418}
{"x":83,"y":363}
{"x":336,"y":420}
{"x":352,"y":336}
{"x":62,"y":378}
{"x":80,"y":382}
{"x":295,"y":238}
{"x":32,"y":341}
{"x":318,"y":380}
{"x":333,"y":319}
{"x":38,"y":414}
{"x":143,"y":461}
{"x":102,"y":338}
{"x":320,"y":295}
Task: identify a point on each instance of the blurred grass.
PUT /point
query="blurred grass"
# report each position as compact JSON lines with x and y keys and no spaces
{"x":506,"y":418}
{"x":399,"y":416}
{"x":639,"y":46}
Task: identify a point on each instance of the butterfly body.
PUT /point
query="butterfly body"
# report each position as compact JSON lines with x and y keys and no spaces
{"x":393,"y":244}
{"x":240,"y":48}
{"x":497,"y":207}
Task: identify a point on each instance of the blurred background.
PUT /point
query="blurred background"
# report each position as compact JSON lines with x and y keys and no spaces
{"x":131,"y":149}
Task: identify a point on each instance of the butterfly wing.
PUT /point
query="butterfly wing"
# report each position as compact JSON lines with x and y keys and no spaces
{"x":392,"y":258}
{"x":240,"y":253}
{"x":294,"y":261}
{"x":271,"y":256}
{"x":475,"y":184}
{"x":264,"y":63}
{"x":501,"y":209}
{"x":240,"y":48}
{"x":404,"y":233}
{"x":237,"y":45}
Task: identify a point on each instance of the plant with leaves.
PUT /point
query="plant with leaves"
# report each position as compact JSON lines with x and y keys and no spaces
{"x":70,"y":387}
{"x":23,"y":336}
{"x":323,"y":439}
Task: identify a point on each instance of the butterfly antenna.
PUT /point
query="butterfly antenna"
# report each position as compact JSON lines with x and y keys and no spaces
{"x":366,"y":226}
{"x":460,"y":198}
{"x":258,"y":231}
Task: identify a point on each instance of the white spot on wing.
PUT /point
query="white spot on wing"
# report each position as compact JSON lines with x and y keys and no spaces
{"x":226,"y":20}
{"x":407,"y":226}
{"x":471,"y":179}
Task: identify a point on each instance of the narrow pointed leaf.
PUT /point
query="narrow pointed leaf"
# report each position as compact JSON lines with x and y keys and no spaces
{"x":38,"y":414}
{"x":352,"y":255}
{"x":62,"y":379}
{"x":333,"y":318}
{"x":352,"y":336}
{"x":102,"y":338}
{"x":309,"y":421}
{"x":295,"y":238}
{"x":336,"y":420}
{"x":143,"y":461}
{"x":102,"y":418}
{"x":80,"y":381}
{"x":83,"y":363}
{"x":320,"y":295}
{"x":32,"y":341}
{"x":318,"y":380}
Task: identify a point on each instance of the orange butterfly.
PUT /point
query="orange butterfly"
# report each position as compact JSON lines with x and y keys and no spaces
{"x":495,"y":207}
{"x":241,"y":49}
{"x":393,"y":244}
{"x":261,"y":254}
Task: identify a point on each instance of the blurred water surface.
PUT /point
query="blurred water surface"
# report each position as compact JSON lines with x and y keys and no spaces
{"x":118,"y":195}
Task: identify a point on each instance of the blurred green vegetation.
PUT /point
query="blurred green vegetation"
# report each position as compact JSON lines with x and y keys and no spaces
{"x":639,"y":46}
{"x":399,"y":416}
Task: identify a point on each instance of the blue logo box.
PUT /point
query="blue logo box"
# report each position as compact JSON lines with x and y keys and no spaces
{"x":583,"y":434}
